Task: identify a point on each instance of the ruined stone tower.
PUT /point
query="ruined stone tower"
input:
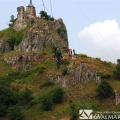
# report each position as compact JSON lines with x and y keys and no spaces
{"x":21,"y":13}
{"x":24,"y":16}
{"x":30,"y":10}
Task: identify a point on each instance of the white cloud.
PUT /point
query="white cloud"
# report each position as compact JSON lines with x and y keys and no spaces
{"x":101,"y":39}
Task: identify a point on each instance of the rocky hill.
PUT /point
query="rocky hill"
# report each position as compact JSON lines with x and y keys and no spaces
{"x":33,"y":85}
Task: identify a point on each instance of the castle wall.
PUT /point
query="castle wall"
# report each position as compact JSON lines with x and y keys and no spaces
{"x":21,"y":13}
{"x":30,"y":11}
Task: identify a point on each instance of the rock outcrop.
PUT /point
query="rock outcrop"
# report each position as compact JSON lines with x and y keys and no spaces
{"x":79,"y":75}
{"x":44,"y":34}
{"x":4,"y":46}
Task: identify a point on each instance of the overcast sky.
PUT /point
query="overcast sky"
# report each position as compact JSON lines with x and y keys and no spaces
{"x":93,"y":25}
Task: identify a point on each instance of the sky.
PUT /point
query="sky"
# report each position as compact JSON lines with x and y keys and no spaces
{"x":93,"y":25}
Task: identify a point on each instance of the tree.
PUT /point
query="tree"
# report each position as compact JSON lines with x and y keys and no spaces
{"x":15,"y":113}
{"x":116,"y":72}
{"x":104,"y":90}
{"x":44,"y":14}
{"x":12,"y":20}
{"x":118,"y":61}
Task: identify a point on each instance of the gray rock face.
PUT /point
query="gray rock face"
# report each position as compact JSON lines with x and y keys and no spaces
{"x":80,"y":75}
{"x":83,"y":74}
{"x":4,"y":46}
{"x":44,"y":34}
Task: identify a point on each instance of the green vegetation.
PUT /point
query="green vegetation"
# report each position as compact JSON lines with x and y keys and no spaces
{"x":50,"y":98}
{"x":12,"y":37}
{"x":65,"y":71}
{"x":104,"y":90}
{"x":116,"y":72}
{"x":15,"y":113}
{"x":12,"y":20}
{"x":44,"y":14}
{"x":24,"y":97}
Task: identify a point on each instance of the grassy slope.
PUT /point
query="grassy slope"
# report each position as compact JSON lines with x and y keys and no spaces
{"x":85,"y":94}
{"x":75,"y":93}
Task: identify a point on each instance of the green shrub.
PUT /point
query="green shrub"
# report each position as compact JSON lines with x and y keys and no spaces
{"x":7,"y":98}
{"x":15,"y":39}
{"x":6,"y":95}
{"x":57,"y":94}
{"x":104,"y":90}
{"x":116,"y":72}
{"x":39,"y":69}
{"x":65,"y":71}
{"x":46,"y":83}
{"x":50,"y":98}
{"x":105,"y":75}
{"x":15,"y":113}
{"x":24,"y":97}
{"x":3,"y":109}
{"x":44,"y":14}
{"x":73,"y":112}
{"x":46,"y":102}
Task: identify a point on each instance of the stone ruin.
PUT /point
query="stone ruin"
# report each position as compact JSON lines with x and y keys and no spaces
{"x":25,"y":16}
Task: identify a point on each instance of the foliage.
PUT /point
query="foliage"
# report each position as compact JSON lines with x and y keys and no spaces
{"x":24,"y":97}
{"x":118,"y":61}
{"x":6,"y":98}
{"x":104,"y":75}
{"x":57,"y":94}
{"x":73,"y":112}
{"x":46,"y":102}
{"x":46,"y":83}
{"x":104,"y":90}
{"x":44,"y":14}
{"x":65,"y":71}
{"x":12,"y":20}
{"x":116,"y":72}
{"x":54,"y":96}
{"x":12,"y":37}
{"x":3,"y":109}
{"x":15,"y":113}
{"x":15,"y":39}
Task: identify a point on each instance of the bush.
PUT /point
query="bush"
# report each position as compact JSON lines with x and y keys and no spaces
{"x":15,"y":39}
{"x":15,"y":113}
{"x":50,"y":98}
{"x":73,"y":112}
{"x":104,"y":90}
{"x":46,"y":102}
{"x":3,"y":109}
{"x":6,"y":95}
{"x":65,"y":71}
{"x":116,"y":73}
{"x":57,"y":94}
{"x":44,"y":14}
{"x":24,"y":97}
{"x":46,"y":83}
{"x":104,"y":75}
